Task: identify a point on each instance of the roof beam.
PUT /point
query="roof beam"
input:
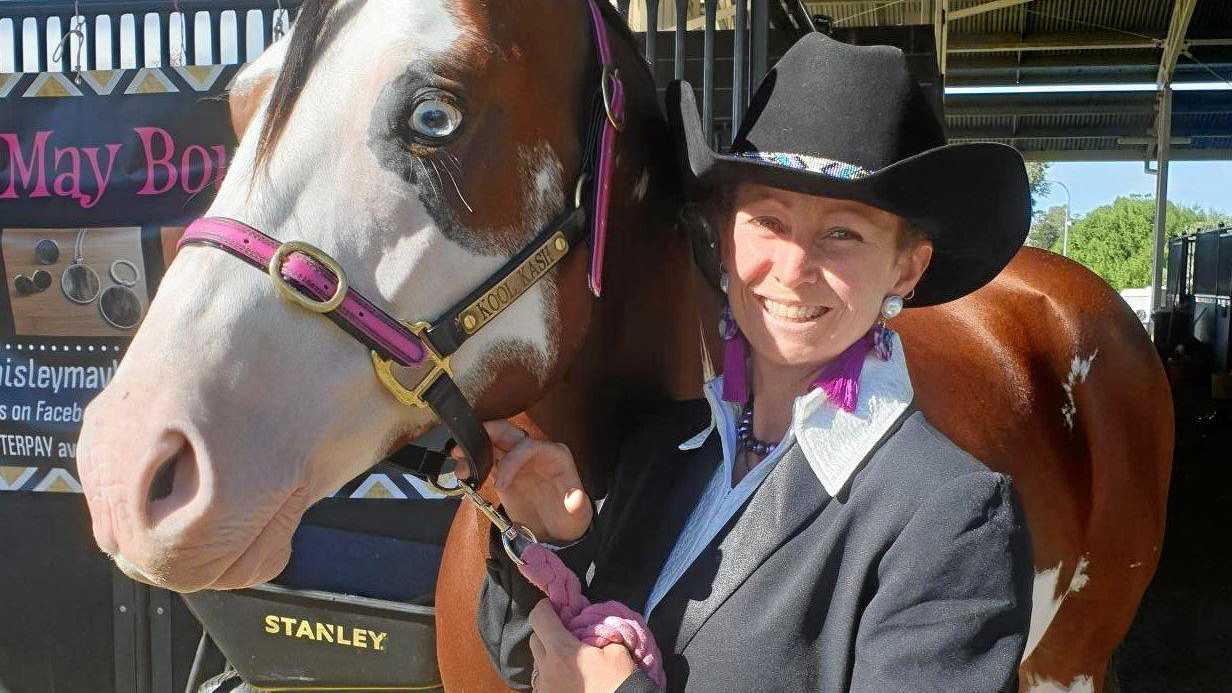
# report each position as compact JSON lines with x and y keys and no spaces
{"x":1131,"y":134}
{"x":1174,"y":44}
{"x":941,"y":34}
{"x":955,"y":15}
{"x":1086,"y":103}
{"x":1125,"y":154}
{"x":1061,"y":41}
{"x":1043,"y":109}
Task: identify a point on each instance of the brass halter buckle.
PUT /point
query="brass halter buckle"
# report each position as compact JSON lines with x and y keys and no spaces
{"x":413,"y":397}
{"x":290,"y":293}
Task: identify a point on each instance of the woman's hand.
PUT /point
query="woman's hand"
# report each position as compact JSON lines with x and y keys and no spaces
{"x":564,"y":664}
{"x":537,"y":482}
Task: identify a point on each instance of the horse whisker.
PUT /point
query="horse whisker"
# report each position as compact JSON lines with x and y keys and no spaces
{"x":452,"y":158}
{"x":437,"y":171}
{"x":428,"y":178}
{"x":458,"y":189}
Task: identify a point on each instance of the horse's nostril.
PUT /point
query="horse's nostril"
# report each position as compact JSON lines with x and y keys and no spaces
{"x":164,"y":480}
{"x":174,"y":484}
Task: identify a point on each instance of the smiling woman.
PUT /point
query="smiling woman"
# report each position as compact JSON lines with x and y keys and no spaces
{"x":808,"y":275}
{"x":905,"y":562}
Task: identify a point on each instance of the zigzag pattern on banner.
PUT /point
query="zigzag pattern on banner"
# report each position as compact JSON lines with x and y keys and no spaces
{"x":200,"y":77}
{"x":103,"y":81}
{"x":15,"y":478}
{"x":375,"y":486}
{"x":38,"y":479}
{"x":149,"y":80}
{"x":379,"y":486}
{"x":53,"y":85}
{"x":7,"y":82}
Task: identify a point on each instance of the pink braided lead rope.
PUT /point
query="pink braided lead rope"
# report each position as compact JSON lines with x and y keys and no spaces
{"x":597,"y":625}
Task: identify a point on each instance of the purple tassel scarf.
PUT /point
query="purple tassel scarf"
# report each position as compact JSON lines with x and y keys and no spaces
{"x":839,"y":379}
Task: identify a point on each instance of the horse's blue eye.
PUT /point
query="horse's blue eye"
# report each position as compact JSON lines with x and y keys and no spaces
{"x":435,"y":118}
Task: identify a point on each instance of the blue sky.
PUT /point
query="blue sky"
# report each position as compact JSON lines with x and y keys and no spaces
{"x":1207,"y":184}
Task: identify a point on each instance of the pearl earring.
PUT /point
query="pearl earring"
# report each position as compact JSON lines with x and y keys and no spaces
{"x":724,"y":282}
{"x":891,"y":306}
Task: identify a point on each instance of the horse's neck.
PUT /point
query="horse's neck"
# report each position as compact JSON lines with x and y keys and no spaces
{"x":643,"y":348}
{"x":644,"y":343}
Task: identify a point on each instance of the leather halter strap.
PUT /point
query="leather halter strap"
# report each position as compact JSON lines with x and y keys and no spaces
{"x":310,"y":278}
{"x":613,"y":92}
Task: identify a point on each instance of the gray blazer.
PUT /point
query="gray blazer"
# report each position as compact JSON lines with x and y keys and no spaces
{"x":916,"y":577}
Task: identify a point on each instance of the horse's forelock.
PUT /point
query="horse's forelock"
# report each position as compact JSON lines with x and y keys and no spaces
{"x":309,"y":27}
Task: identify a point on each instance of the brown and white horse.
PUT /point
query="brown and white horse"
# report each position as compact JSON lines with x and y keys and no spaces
{"x":233,"y":411}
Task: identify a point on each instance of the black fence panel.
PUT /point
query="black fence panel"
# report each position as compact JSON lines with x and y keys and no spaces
{"x":1206,"y":263}
{"x":1223,"y":283}
{"x":1178,"y":262}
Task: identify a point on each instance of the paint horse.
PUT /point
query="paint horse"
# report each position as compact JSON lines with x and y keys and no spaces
{"x":233,"y":411}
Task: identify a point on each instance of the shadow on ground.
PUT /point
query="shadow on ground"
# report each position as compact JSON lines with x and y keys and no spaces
{"x":1181,"y":640}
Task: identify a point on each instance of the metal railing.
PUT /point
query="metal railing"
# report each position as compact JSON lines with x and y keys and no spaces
{"x":88,"y":34}
{"x":743,"y":51}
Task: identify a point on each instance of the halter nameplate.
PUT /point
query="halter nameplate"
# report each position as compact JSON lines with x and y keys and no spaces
{"x":499,"y":297}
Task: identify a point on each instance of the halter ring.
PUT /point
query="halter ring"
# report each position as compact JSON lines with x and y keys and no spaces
{"x":413,"y":397}
{"x":290,"y":293}
{"x":519,"y":534}
{"x":579,"y":189}
{"x":610,"y":75}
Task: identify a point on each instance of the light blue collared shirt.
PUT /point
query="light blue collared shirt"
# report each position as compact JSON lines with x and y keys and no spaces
{"x":833,"y":441}
{"x":721,"y":500}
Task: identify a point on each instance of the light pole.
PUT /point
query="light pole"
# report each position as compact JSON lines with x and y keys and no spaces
{"x":1065,"y":224}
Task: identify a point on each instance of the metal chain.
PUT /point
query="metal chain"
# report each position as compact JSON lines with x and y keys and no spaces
{"x":76,"y":28}
{"x":279,"y":29}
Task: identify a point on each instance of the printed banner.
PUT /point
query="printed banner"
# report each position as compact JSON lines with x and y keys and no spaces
{"x":99,"y":173}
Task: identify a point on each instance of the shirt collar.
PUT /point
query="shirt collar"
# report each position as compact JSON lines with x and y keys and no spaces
{"x":834,"y":441}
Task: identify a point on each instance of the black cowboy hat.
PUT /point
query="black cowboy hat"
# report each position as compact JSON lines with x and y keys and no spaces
{"x":851,"y":122}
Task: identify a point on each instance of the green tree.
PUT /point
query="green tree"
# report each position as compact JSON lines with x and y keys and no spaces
{"x":1046,"y":229}
{"x":1041,"y":233}
{"x":1037,"y":177}
{"x":1115,"y":240}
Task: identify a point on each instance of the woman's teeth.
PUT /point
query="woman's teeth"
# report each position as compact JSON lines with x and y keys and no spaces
{"x":791,"y":312}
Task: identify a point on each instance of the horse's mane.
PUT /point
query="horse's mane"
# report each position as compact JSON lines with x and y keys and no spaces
{"x":310,"y":26}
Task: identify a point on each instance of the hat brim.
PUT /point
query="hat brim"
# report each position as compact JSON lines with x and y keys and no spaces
{"x":971,"y":199}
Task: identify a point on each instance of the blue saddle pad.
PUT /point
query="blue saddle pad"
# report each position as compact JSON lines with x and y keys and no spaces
{"x":365,"y":565}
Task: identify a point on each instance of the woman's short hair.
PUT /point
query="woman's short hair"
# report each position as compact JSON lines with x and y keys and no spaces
{"x":716,"y":206}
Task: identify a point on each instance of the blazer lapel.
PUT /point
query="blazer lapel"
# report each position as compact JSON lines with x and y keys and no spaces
{"x":790,"y":497}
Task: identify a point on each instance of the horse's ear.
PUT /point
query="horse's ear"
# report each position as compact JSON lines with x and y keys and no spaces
{"x":252,"y":84}
{"x":244,"y":97}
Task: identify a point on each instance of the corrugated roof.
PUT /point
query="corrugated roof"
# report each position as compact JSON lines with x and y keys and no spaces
{"x":1049,"y":42}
